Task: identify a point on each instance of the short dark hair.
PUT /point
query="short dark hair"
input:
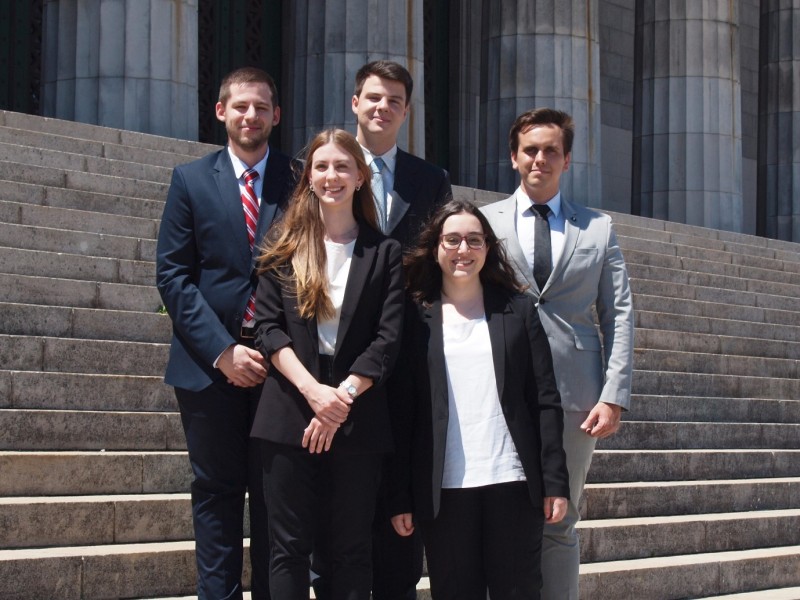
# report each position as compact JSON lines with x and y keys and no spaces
{"x":542,"y":116}
{"x":385,"y":69}
{"x":247,"y":75}
{"x":423,"y":273}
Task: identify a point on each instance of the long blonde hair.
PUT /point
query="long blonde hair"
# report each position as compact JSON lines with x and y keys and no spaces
{"x":297,"y":240}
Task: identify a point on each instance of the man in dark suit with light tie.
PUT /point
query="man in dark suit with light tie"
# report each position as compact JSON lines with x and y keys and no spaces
{"x":569,"y":256}
{"x":406,"y":189}
{"x":218,"y":209}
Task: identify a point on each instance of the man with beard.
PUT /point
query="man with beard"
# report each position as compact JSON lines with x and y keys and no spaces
{"x":217,"y":211}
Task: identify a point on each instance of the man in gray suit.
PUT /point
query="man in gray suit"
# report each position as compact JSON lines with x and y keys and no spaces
{"x":579,"y":268}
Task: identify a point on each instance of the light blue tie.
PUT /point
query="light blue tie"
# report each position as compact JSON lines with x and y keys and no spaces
{"x":379,"y":191}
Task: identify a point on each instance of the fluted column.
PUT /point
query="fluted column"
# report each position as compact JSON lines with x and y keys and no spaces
{"x":327,"y":42}
{"x":542,"y":53}
{"x":122,"y":63}
{"x":687,"y":133}
{"x":779,"y":137}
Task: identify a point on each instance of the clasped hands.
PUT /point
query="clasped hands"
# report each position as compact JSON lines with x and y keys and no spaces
{"x":331,"y":408}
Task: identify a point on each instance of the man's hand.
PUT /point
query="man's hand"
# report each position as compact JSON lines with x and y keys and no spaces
{"x":243,"y":366}
{"x":403,"y":524}
{"x":603,"y":420}
{"x":555,"y":509}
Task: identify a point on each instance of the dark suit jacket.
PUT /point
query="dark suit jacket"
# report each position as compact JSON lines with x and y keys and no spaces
{"x":419,"y":187}
{"x":528,"y":395}
{"x":204,"y":267}
{"x":367,"y":343}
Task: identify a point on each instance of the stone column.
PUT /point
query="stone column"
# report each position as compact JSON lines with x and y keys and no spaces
{"x":687,"y":130}
{"x":779,"y":135}
{"x":130,"y":64}
{"x":543,"y":53}
{"x":327,"y":42}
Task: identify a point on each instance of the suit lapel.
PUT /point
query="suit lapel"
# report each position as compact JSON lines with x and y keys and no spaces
{"x":494,"y":309}
{"x":270,"y":199}
{"x":403,"y":178}
{"x":228,"y":188}
{"x":432,"y":316}
{"x":364,"y":254}
{"x":571,"y":233}
{"x":506,"y":231}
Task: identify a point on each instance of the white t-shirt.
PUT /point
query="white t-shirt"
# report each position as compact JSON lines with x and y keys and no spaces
{"x":339,"y":258}
{"x":479,"y":450}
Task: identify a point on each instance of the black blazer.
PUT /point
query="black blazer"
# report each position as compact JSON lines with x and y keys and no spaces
{"x":367,"y":343}
{"x":528,"y":395}
{"x":419,"y":187}
{"x":204,"y":268}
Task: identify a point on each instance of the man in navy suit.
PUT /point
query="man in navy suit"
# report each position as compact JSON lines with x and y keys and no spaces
{"x":411,"y":188}
{"x":217,"y":211}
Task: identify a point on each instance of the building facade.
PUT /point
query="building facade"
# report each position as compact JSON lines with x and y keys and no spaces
{"x":686,"y":110}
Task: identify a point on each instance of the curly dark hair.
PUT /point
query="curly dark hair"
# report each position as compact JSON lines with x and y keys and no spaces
{"x":424,"y":275}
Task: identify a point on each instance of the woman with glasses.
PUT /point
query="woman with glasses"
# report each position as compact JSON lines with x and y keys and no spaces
{"x":479,"y":464}
{"x":329,"y":311}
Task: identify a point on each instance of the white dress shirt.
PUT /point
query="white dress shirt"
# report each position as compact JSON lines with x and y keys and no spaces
{"x":390,"y":160}
{"x":525,"y":224}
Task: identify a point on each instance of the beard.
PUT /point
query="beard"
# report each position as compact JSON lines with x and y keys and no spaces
{"x":248,"y":141}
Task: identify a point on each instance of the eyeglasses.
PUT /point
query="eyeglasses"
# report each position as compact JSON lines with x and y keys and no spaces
{"x":452,"y":241}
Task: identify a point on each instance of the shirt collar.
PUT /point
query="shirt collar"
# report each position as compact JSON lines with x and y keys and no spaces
{"x":239,"y":167}
{"x":524,"y":202}
{"x":389,"y":157}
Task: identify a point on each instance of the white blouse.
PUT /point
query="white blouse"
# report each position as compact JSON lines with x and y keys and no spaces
{"x":479,"y":450}
{"x":339,"y":258}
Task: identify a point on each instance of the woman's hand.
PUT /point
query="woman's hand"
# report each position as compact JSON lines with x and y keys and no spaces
{"x":330,"y":405}
{"x":555,"y":509}
{"x":403,"y":524}
{"x":317,"y":437}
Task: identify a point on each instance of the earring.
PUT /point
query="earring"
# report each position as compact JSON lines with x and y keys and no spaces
{"x":311,"y":187}
{"x":358,"y":188}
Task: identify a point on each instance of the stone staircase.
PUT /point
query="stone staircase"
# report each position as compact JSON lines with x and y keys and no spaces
{"x":697,"y":496}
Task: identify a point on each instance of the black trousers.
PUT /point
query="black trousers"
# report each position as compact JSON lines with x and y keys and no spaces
{"x":320,"y":503}
{"x":485,"y":539}
{"x":226,"y":464}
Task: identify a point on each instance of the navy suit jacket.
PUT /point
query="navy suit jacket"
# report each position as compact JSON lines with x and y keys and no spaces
{"x":419,"y":187}
{"x":526,"y":385}
{"x":205,"y":271}
{"x":367,"y":343}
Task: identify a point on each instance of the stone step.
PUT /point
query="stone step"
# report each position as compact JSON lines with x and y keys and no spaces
{"x":654,"y":435}
{"x":97,"y":203}
{"x":687,"y":276}
{"x":82,"y":181}
{"x":99,"y":572}
{"x":54,"y":291}
{"x":656,"y":225}
{"x":691,"y":576}
{"x":756,"y":298}
{"x":94,"y":520}
{"x":94,"y":148}
{"x":667,"y":321}
{"x":729,"y":410}
{"x":87,"y":131}
{"x":80,"y":243}
{"x":65,"y":355}
{"x":35,"y":215}
{"x":42,"y":157}
{"x":786,"y":593}
{"x":74,"y":266}
{"x":92,"y":473}
{"x":681,"y":247}
{"x":704,"y":362}
{"x":616,"y":466}
{"x":84,"y":323}
{"x":731,"y":345}
{"x":714,"y":385}
{"x":626,"y":539}
{"x":63,"y":430}
{"x":664,"y":498}
{"x":85,"y":391}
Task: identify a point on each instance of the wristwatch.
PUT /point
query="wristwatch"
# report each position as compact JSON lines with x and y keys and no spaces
{"x":349,"y":388}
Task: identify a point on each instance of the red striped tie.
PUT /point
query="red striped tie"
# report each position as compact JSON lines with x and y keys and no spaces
{"x":250,"y":205}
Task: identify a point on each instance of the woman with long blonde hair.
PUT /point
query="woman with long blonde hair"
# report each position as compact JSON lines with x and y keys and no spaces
{"x":329,"y":313}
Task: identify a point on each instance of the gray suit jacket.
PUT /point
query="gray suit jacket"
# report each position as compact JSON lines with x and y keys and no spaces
{"x":590,"y":274}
